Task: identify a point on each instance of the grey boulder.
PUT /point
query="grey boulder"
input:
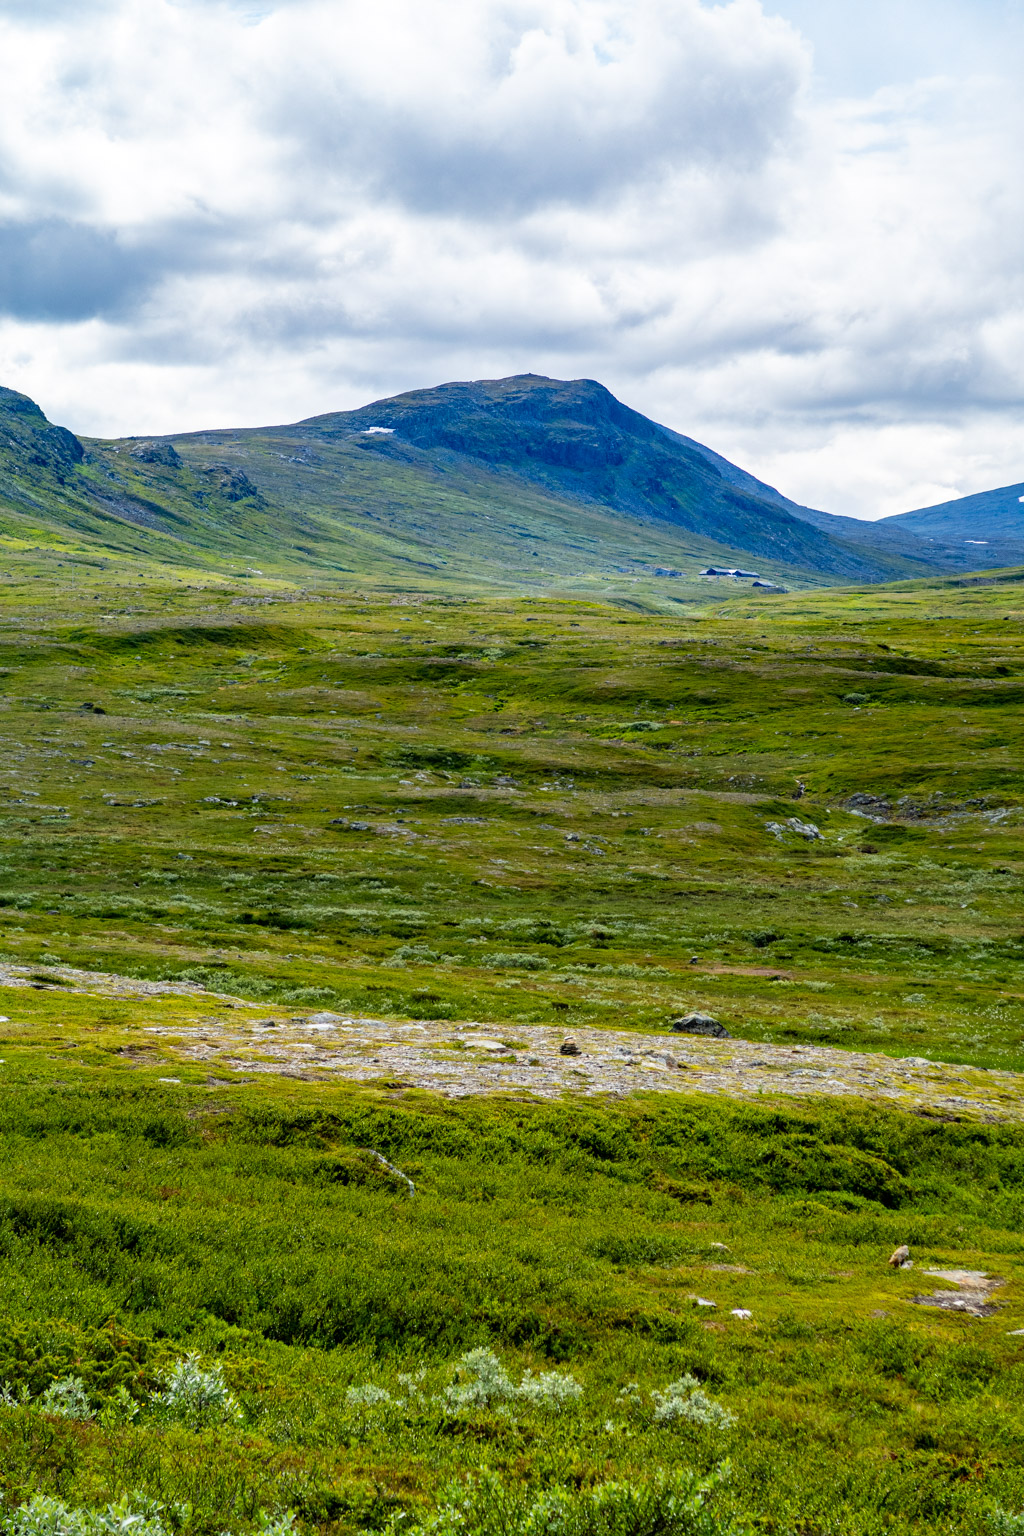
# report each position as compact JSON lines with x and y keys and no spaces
{"x":700,"y":1024}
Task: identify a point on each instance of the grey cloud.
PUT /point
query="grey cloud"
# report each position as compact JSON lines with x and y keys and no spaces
{"x":512,"y":137}
{"x":57,"y":270}
{"x":51,"y":269}
{"x":512,"y":174}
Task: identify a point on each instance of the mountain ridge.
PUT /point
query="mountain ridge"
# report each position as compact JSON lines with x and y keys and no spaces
{"x":524,"y":478}
{"x":998,"y":513}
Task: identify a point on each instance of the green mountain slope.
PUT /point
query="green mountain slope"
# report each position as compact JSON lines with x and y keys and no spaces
{"x":521,"y":480}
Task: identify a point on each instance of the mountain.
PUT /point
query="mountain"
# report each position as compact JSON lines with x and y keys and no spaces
{"x":576,"y":439}
{"x":929,"y":548}
{"x":993,"y":518}
{"x":525,"y":479}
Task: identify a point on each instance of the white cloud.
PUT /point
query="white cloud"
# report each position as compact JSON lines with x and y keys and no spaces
{"x":215,"y":213}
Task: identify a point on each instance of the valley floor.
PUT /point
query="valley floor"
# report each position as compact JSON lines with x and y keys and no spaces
{"x":301,"y":886}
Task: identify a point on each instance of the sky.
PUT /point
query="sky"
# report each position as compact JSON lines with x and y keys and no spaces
{"x":792,"y":231}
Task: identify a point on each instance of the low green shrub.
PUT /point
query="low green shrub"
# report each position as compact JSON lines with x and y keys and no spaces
{"x":501,"y":961}
{"x":666,"y":1504}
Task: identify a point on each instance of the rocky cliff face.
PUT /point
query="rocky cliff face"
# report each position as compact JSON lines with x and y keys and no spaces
{"x":32,"y":442}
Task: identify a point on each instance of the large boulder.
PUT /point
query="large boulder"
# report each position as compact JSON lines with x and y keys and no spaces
{"x":156,"y":453}
{"x":700,"y":1024}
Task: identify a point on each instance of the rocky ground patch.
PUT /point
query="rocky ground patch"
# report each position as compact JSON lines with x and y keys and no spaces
{"x":476,"y":1057}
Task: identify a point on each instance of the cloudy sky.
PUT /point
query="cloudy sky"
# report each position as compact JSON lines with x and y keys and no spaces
{"x":793,"y":230}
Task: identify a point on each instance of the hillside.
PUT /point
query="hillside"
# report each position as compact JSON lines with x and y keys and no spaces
{"x":514,"y":481}
{"x":995,"y":517}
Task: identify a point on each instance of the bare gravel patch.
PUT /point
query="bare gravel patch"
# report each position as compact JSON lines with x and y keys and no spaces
{"x":475,"y":1057}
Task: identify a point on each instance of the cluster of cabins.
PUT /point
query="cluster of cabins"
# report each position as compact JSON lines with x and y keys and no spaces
{"x":751,"y":576}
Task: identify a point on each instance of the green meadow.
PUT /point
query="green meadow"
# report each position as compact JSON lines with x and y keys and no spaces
{"x":525,"y":807}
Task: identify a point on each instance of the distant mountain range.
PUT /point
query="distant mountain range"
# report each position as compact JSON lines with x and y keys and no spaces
{"x":992,"y":517}
{"x":525,"y":479}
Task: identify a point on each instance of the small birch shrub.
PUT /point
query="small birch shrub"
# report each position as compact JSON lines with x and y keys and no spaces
{"x":686,"y":1399}
{"x":195,"y":1397}
{"x":67,"y":1398}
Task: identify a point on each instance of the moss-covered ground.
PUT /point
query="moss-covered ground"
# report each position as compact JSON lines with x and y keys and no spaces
{"x":541,"y":809}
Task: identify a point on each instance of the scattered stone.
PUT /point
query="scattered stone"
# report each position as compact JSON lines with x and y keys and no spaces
{"x":569,"y":1048}
{"x":873,"y":807}
{"x":702,"y":1301}
{"x":1015,"y":1333}
{"x":719,"y":1247}
{"x":900,"y":1257}
{"x":742,"y":1313}
{"x":700,"y":1024}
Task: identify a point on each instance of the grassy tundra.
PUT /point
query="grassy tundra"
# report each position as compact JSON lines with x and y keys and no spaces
{"x":504,"y":809}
